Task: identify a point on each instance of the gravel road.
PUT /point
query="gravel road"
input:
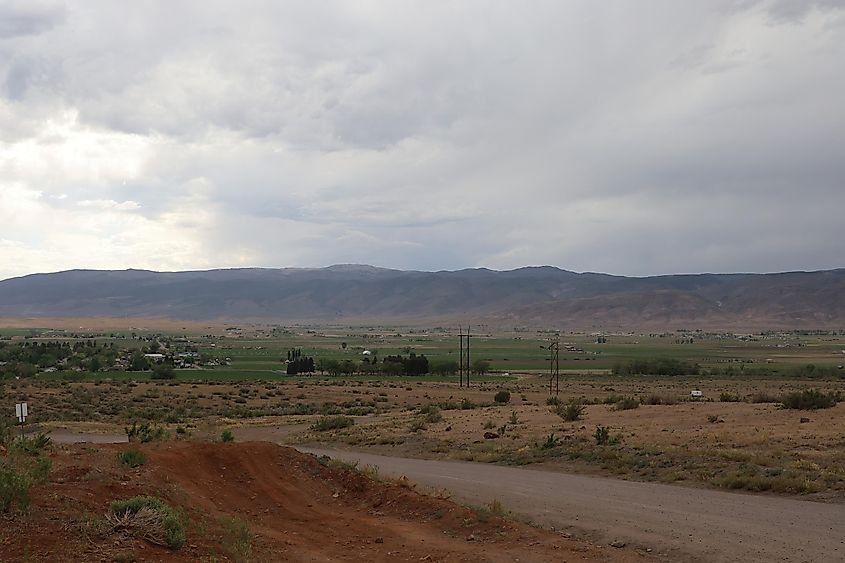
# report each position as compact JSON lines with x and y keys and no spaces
{"x":677,"y":523}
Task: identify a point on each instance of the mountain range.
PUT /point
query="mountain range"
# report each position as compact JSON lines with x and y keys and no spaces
{"x":533,"y":296}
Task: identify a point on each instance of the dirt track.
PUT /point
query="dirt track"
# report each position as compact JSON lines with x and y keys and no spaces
{"x":288,"y":506}
{"x":681,"y":524}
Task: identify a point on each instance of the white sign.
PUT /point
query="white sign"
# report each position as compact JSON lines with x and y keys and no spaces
{"x":21,"y":412}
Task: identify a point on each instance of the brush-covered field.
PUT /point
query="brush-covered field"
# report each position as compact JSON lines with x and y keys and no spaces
{"x":611,"y":416}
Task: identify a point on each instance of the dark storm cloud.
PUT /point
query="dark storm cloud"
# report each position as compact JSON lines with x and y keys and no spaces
{"x":20,"y":18}
{"x":634,"y":138}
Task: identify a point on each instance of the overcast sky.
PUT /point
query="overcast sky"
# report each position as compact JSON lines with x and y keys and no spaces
{"x":625,"y":137}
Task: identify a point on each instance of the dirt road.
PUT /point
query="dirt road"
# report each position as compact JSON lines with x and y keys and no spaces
{"x":677,"y":523}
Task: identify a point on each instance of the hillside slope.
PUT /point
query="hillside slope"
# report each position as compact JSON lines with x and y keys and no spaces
{"x":538,"y":296}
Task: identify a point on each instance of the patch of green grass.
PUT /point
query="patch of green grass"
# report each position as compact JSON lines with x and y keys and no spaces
{"x":237,"y":538}
{"x":325,"y":423}
{"x":132,"y":458}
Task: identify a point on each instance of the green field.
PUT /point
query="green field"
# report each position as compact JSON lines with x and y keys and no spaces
{"x":258,"y":352}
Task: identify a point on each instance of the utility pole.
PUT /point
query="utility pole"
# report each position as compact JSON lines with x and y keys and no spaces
{"x":554,"y":366}
{"x":461,"y":363}
{"x":464,"y":364}
{"x":468,"y":364}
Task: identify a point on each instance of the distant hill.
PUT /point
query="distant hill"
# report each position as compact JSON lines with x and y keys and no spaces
{"x":536,"y":296}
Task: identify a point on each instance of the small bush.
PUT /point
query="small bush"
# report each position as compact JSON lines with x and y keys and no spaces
{"x":549,"y":443}
{"x":570,"y":412}
{"x":14,"y":487}
{"x":763,"y":397}
{"x":163,"y":371}
{"x":132,"y":458}
{"x":627,"y":403}
{"x":495,"y":507}
{"x":31,"y":445}
{"x":502,"y":397}
{"x":145,"y":433}
{"x":659,"y":400}
{"x":325,"y":423}
{"x":603,"y":438}
{"x":602,"y":435}
{"x":489,"y":425}
{"x":149,"y":518}
{"x":417,"y":425}
{"x":810,"y":399}
{"x":227,"y":436}
{"x":553,"y":401}
{"x":17,"y":475}
{"x":729,"y":398}
{"x":237,"y":539}
{"x":432,"y":414}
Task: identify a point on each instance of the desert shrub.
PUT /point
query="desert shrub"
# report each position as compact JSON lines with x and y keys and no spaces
{"x":495,"y":507}
{"x":602,"y":435}
{"x":6,"y":432}
{"x":448,"y":405}
{"x":489,"y":425}
{"x":514,"y":419}
{"x":227,"y":436}
{"x":31,"y":445}
{"x":325,"y":423}
{"x":237,"y":538}
{"x":549,"y":443}
{"x":149,"y":518}
{"x":627,"y":403}
{"x":14,"y":487}
{"x":417,"y":425}
{"x":163,"y":371}
{"x":553,"y":401}
{"x":145,"y":433}
{"x":431,"y":414}
{"x":810,"y":399}
{"x":763,"y":397}
{"x":466,"y":404}
{"x":570,"y":411}
{"x":748,"y":480}
{"x":132,"y":458}
{"x":660,"y":366}
{"x":659,"y":400}
{"x":729,"y":398}
{"x":713,"y":419}
{"x":502,"y":397}
{"x":17,"y":475}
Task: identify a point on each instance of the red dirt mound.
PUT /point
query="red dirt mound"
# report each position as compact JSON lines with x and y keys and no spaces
{"x":262,"y":502}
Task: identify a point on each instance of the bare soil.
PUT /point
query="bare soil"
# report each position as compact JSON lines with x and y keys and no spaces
{"x":296,"y":509}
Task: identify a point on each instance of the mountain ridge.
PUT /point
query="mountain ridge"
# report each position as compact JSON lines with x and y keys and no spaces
{"x":544,"y":296}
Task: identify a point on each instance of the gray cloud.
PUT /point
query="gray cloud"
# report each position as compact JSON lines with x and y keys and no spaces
{"x":631,"y":138}
{"x":21,"y":18}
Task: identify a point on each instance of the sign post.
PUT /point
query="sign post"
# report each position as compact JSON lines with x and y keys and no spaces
{"x":21,"y":411}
